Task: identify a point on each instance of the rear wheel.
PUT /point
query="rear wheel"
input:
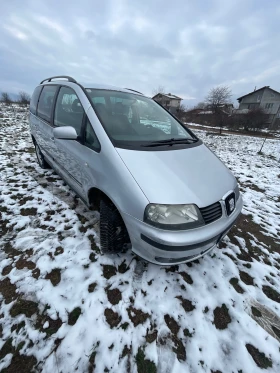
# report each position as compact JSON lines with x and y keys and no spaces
{"x":40,"y":157}
{"x":113,"y":233}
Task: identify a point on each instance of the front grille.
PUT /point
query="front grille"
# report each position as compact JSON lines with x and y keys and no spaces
{"x":211,"y":213}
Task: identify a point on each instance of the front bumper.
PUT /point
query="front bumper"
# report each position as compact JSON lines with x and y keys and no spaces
{"x":174,"y":247}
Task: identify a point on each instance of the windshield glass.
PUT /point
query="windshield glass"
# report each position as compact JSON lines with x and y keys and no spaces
{"x":132,"y":120}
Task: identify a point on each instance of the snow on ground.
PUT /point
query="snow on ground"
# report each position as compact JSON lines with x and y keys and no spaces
{"x":65,"y":307}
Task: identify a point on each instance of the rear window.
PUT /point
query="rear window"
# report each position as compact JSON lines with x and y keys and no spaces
{"x":46,"y":102}
{"x":34,"y":99}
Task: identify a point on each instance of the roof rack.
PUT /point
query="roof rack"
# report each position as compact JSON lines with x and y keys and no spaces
{"x":133,"y":90}
{"x":69,"y":78}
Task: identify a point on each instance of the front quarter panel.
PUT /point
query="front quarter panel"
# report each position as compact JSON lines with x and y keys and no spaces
{"x":108,"y":173}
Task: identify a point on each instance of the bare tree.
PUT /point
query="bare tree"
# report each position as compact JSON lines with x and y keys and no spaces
{"x":6,"y":98}
{"x":159,"y":89}
{"x":217,"y":97}
{"x":181,"y":111}
{"x":24,"y":98}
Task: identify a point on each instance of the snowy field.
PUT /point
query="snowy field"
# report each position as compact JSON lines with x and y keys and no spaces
{"x":65,"y":307}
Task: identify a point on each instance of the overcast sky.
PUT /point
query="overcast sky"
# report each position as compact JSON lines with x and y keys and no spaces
{"x":185,"y":46}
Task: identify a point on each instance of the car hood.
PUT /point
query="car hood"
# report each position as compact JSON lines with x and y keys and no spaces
{"x":191,"y":175}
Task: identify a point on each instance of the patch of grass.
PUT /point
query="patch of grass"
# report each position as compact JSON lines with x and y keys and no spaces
{"x":109,"y":271}
{"x":123,"y":267}
{"x":234,"y":282}
{"x":36,"y":273}
{"x":74,"y":315}
{"x":259,"y":357}
{"x":21,"y":363}
{"x":137,"y":316}
{"x":92,"y":287}
{"x":54,"y":276}
{"x":8,"y":290}
{"x":17,"y":327}
{"x":92,"y":257}
{"x":94,"y":247}
{"x":11,"y":251}
{"x":114,"y":295}
{"x":7,"y":348}
{"x":126,"y":351}
{"x":246,"y":278}
{"x":112,"y":318}
{"x":186,"y":304}
{"x":276,"y":331}
{"x":24,"y":200}
{"x":271,"y":293}
{"x":152,"y":336}
{"x":20,"y":345}
{"x":172,"y":324}
{"x":256,"y":312}
{"x":144,"y":365}
{"x":22,"y":306}
{"x":186,"y":277}
{"x":187,"y":333}
{"x":53,"y":327}
{"x":23,"y":263}
{"x":58,"y":251}
{"x":179,"y":348}
{"x":124,"y":326}
{"x":6,"y":270}
{"x":174,"y":268}
{"x":251,"y":229}
{"x":28,"y":211}
{"x":221,"y":317}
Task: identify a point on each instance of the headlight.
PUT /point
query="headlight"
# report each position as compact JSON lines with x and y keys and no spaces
{"x":173,"y":217}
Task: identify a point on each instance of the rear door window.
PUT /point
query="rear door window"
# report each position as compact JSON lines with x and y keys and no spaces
{"x":34,"y":99}
{"x":46,"y":102}
{"x":68,"y":110}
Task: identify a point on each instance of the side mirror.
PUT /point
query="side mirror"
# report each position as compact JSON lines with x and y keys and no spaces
{"x":65,"y":133}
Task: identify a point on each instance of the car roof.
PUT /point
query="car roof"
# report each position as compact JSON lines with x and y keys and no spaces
{"x":108,"y":87}
{"x":69,"y":81}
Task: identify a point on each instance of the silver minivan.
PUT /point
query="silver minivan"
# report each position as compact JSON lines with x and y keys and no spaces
{"x":160,"y":191}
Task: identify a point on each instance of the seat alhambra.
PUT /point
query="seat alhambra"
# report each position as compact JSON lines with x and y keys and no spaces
{"x":160,"y":191}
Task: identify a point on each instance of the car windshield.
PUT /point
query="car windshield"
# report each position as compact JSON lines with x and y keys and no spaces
{"x":132,"y":120}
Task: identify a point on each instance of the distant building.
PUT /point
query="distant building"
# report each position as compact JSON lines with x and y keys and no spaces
{"x":169,"y":101}
{"x":223,"y":108}
{"x":266,"y":98}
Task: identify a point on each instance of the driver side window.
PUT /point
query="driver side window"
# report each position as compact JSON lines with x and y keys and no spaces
{"x":68,"y":110}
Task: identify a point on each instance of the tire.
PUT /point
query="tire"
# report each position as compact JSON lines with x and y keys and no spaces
{"x":40,"y":157}
{"x":113,"y":233}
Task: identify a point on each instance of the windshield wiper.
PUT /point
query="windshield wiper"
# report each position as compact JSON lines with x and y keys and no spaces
{"x":170,"y":142}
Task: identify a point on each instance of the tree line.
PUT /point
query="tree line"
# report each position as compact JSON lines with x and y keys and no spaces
{"x":23,"y":98}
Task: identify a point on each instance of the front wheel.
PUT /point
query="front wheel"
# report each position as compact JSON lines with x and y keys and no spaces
{"x":40,"y":157}
{"x":113,"y":233}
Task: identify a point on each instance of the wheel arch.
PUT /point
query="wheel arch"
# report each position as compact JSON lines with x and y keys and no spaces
{"x":94,"y":197}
